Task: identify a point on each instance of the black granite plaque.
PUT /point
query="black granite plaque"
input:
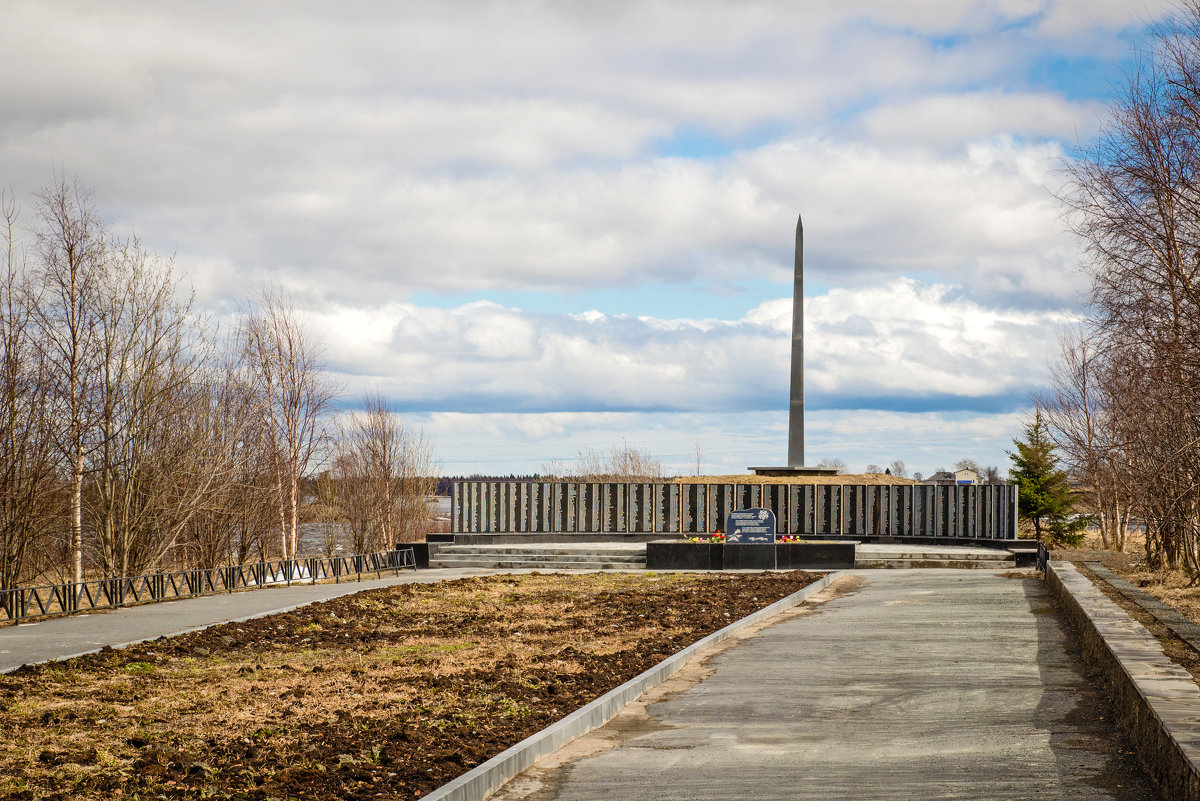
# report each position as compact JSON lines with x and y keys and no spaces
{"x":750,"y":527}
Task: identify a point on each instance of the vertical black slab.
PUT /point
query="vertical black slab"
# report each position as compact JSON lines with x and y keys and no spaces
{"x":660,"y":508}
{"x":641,"y":505}
{"x":719,"y":506}
{"x":775,"y":498}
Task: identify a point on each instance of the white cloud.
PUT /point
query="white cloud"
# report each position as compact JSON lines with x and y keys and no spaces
{"x":952,"y":120}
{"x":526,"y":443}
{"x":361,"y":153}
{"x":424,"y":147}
{"x":901,"y":340}
{"x":982,"y":217}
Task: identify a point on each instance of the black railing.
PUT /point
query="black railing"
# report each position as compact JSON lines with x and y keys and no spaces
{"x":1043,"y":557}
{"x":23,"y":603}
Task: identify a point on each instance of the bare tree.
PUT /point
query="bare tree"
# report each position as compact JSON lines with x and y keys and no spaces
{"x":967,"y":463}
{"x":28,"y":482}
{"x":617,"y":463}
{"x":159,"y":453}
{"x":1135,"y":204}
{"x":1085,"y":420}
{"x":898,"y":469}
{"x":227,"y":526}
{"x":294,"y":394}
{"x":356,"y":503}
{"x":388,"y":476}
{"x":417,"y":484}
{"x":328,"y":511}
{"x":71,"y":247}
{"x":833,"y":464}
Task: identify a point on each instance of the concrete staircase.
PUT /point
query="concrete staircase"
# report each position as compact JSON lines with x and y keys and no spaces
{"x":632,"y":556}
{"x":544,"y":556}
{"x":900,"y":556}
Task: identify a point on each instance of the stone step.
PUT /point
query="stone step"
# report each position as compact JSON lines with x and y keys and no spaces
{"x":544,"y":557}
{"x":906,"y":551}
{"x":589,"y":549}
{"x":514,"y":563}
{"x":632,"y":556}
{"x":869,"y":555}
{"x":960,"y":564}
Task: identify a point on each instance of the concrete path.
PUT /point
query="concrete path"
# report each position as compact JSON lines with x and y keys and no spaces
{"x":64,"y":637}
{"x":917,"y":684}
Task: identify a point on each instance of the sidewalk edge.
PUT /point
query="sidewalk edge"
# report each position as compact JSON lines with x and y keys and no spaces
{"x":1157,"y":701}
{"x":477,"y":783}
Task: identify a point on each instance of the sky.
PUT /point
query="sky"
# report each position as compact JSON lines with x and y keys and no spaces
{"x":537,"y":228}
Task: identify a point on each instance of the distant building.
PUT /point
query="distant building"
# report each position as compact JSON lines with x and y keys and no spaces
{"x":946,"y":478}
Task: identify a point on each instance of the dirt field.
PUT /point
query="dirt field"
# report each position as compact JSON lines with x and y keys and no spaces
{"x":381,"y":695}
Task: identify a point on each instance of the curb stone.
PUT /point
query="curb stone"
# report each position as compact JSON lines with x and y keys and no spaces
{"x":477,"y":783}
{"x":1157,"y":701}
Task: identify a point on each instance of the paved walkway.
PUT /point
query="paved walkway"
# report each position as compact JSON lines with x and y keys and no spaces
{"x":64,"y":637}
{"x":918,"y":684}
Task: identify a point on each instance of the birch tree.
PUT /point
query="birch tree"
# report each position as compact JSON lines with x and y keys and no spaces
{"x":160,"y":451}
{"x":71,"y":250}
{"x":387,"y":474}
{"x":294,"y":393}
{"x":27,"y":476}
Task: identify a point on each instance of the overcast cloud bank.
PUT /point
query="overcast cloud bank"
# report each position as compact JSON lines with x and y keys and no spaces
{"x":633,"y":171}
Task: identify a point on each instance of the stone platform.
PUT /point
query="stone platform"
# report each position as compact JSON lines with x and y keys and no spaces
{"x":868,"y":555}
{"x":565,"y":555}
{"x":546,"y":555}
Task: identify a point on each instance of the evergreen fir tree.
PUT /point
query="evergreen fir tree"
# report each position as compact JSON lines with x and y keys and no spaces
{"x":1044,"y":494}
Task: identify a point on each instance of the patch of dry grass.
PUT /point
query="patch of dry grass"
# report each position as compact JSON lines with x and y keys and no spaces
{"x":387,"y":693}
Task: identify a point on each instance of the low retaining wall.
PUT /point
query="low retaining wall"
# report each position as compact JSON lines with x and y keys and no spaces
{"x":476,"y":783}
{"x":1157,"y":701}
{"x":684,"y":555}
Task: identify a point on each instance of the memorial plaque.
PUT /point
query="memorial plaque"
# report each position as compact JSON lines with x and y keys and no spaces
{"x":750,"y":526}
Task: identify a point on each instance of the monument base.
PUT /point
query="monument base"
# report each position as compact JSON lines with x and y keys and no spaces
{"x":794,"y":471}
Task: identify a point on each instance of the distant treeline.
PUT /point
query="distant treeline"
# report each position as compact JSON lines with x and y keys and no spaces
{"x":445,"y":483}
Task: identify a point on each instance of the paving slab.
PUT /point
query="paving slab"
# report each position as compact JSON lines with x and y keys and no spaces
{"x":918,"y":684}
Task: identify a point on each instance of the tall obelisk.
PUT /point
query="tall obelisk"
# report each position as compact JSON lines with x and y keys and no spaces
{"x":795,"y":457}
{"x":795,"y":461}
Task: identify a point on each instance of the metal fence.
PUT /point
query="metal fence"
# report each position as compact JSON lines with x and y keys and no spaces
{"x":64,"y":599}
{"x":981,"y":512}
